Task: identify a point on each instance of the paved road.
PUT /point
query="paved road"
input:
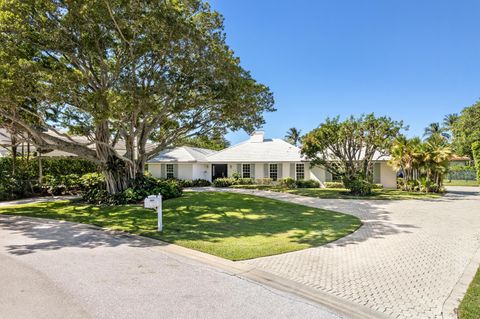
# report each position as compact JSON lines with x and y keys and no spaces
{"x":51,"y":269}
{"x":411,"y":259}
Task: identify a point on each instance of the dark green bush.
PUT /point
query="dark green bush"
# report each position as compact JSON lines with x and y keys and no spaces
{"x":194,"y":183}
{"x":230,"y":181}
{"x":288,"y":182}
{"x":309,"y":183}
{"x":476,"y":157}
{"x":96,"y":193}
{"x":62,"y":184}
{"x":60,"y":176}
{"x":224,"y":182}
{"x":358,"y":186}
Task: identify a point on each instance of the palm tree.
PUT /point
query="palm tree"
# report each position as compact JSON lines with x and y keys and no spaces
{"x":293,"y":136}
{"x":449,"y":120}
{"x":435,"y":129}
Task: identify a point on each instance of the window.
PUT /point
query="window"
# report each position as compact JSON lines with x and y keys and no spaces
{"x":169,"y":171}
{"x":246,"y":171}
{"x":300,"y":171}
{"x":274,"y":171}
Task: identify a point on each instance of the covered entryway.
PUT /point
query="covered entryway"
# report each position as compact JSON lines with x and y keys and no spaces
{"x":219,"y":171}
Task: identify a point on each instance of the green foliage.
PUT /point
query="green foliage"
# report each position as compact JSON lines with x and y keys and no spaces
{"x":476,"y":157}
{"x":215,"y":142}
{"x":194,"y":183}
{"x":293,"y":136}
{"x":62,"y":184}
{"x":138,"y":70}
{"x":96,"y":193}
{"x":287,"y":182}
{"x":347,"y":148}
{"x":60,"y":176}
{"x":470,"y":306}
{"x":229,"y":181}
{"x":264,"y":181}
{"x":309,"y":183}
{"x":358,"y":186}
{"x":423,"y":164}
{"x":466,"y":130}
{"x":334,"y":185}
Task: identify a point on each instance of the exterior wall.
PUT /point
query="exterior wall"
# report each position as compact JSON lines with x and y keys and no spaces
{"x":259,"y":173}
{"x":318,"y":173}
{"x":202,"y":171}
{"x":155,"y":170}
{"x":285,"y":170}
{"x":185,"y":171}
{"x":388,"y":177}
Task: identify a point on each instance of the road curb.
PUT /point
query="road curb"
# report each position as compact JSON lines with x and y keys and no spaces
{"x":450,"y":307}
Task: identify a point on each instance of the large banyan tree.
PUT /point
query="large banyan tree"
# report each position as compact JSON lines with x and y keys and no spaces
{"x":115,"y":70}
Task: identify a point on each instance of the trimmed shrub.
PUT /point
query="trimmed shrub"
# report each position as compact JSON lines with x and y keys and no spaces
{"x":96,"y":193}
{"x":377,"y":186}
{"x":334,"y":185}
{"x":310,"y":183}
{"x":230,"y":181}
{"x":194,"y":183}
{"x":244,"y":181}
{"x":62,"y":184}
{"x":264,"y":181}
{"x":358,"y":186}
{"x":476,"y":157}
{"x":224,"y":182}
{"x":288,"y":182}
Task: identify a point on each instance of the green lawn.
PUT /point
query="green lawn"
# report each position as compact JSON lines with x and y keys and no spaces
{"x":470,"y":306}
{"x":460,"y":183}
{"x":344,"y":193}
{"x":232,"y":226}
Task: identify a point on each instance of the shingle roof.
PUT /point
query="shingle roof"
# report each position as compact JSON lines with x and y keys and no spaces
{"x":119,"y":146}
{"x":270,"y":150}
{"x":185,"y":154}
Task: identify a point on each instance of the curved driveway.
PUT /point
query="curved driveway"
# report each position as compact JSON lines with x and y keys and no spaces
{"x":410,"y":259}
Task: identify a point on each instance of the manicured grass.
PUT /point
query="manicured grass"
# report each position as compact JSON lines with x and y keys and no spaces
{"x":232,"y":226}
{"x":470,"y":305}
{"x":460,"y":183}
{"x":342,"y":193}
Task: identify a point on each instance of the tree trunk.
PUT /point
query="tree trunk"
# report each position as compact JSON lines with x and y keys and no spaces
{"x":40,"y":169}
{"x":14,"y":154}
{"x":117,"y":171}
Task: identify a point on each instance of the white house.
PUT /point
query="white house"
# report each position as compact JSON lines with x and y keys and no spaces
{"x":256,"y":158}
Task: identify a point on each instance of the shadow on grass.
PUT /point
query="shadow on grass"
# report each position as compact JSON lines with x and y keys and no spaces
{"x":235,"y":226}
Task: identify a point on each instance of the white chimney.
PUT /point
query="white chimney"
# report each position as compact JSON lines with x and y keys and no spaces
{"x":257,"y":137}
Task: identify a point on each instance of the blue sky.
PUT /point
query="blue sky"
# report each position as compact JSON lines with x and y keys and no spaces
{"x":411,"y":60}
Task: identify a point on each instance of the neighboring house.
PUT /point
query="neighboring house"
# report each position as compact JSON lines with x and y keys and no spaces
{"x":255,"y":158}
{"x":5,"y":145}
{"x":456,"y":160}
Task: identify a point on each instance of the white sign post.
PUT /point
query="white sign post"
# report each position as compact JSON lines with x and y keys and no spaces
{"x":155,"y":202}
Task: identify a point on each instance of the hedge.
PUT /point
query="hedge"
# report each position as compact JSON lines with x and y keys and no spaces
{"x":56,"y":167}
{"x":476,"y":157}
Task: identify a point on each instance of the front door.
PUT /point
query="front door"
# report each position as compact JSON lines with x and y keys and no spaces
{"x":219,"y":171}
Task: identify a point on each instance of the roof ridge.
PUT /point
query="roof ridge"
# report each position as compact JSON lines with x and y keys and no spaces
{"x":230,"y":147}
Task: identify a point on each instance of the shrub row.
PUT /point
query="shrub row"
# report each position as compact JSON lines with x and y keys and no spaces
{"x":287,"y":182}
{"x":194,"y":182}
{"x":95,"y":191}
{"x":476,"y":157}
{"x":230,"y":181}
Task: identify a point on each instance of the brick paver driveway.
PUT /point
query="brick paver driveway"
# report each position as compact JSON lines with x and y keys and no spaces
{"x":405,"y":262}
